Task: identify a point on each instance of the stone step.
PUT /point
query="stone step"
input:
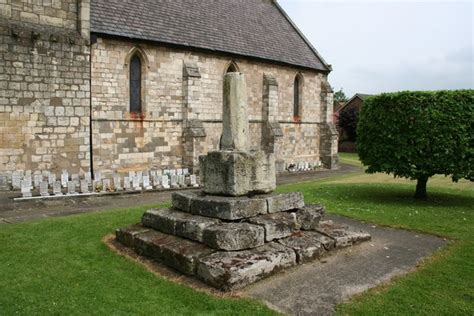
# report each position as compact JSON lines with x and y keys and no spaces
{"x":343,"y":235}
{"x":237,"y":269}
{"x":175,"y":252}
{"x":308,"y":245}
{"x":178,"y":223}
{"x":210,"y":231}
{"x":235,"y":208}
{"x":277,"y":225}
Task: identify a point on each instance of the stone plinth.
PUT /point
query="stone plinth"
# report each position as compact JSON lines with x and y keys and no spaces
{"x":235,"y":173}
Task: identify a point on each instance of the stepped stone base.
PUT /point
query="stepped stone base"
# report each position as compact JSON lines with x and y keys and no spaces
{"x":232,"y":242}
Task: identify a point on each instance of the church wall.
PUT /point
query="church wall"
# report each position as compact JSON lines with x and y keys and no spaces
{"x":125,"y":141}
{"x":44,"y":86}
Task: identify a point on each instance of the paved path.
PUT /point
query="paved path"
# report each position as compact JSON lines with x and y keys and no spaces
{"x":21,"y":211}
{"x":316,"y":288}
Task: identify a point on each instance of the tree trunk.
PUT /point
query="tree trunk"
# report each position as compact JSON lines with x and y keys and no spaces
{"x":421,"y":188}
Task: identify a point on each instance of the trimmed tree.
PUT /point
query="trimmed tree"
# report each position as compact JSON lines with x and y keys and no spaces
{"x":416,"y":135}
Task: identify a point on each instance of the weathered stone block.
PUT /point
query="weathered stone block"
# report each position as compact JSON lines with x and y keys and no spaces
{"x":175,"y":252}
{"x":278,"y":225}
{"x":234,"y":236}
{"x":343,"y":235}
{"x":309,"y":216}
{"x":237,"y":269}
{"x":177,"y":223}
{"x":226,"y":208}
{"x":127,"y":235}
{"x":308,"y":245}
{"x":285,"y":202}
{"x":234,"y":173}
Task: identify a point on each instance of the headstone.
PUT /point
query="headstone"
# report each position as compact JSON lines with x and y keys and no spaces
{"x":37,"y":179}
{"x":4,"y":183}
{"x":75,"y":177}
{"x":51,"y":179}
{"x":126,"y":183}
{"x":64,"y":178}
{"x":16,"y":180}
{"x":179,"y":172}
{"x":159,"y":172}
{"x":306,"y":166}
{"x":152,"y":174}
{"x":44,"y":188}
{"x":25,"y":189}
{"x":156,"y":181}
{"x":71,"y":188}
{"x":186,"y":171}
{"x":140,"y":177}
{"x":182,"y":181}
{"x":98,"y":176}
{"x":131,"y":174}
{"x":57,"y":190}
{"x":165,"y":182}
{"x":174,"y":181}
{"x":146,"y":183}
{"x":29,"y":180}
{"x":194,"y":181}
{"x":166,"y":172}
{"x":117,"y":182}
{"x":136,"y":183}
{"x":106,"y":185}
{"x":88,"y":177}
{"x":84,"y":186}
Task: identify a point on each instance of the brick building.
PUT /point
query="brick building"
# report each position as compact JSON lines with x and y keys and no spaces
{"x":114,"y":85}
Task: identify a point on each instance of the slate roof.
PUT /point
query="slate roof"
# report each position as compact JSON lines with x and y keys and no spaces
{"x":252,"y":28}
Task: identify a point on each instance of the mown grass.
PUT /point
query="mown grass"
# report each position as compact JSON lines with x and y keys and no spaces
{"x":60,"y":266}
{"x":444,"y":285}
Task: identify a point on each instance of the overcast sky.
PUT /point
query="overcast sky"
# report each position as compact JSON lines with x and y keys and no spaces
{"x":381,"y":46}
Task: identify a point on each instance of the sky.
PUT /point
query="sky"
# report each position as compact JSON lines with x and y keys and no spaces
{"x":385,"y":46}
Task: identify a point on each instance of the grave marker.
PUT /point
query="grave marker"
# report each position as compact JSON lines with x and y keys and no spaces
{"x":44,"y":188}
{"x":16,"y":180}
{"x":146,"y":183}
{"x":71,"y":188}
{"x":57,"y":188}
{"x":84,"y":186}
{"x":165,"y":182}
{"x":126,"y":183}
{"x":25,"y":189}
{"x":64,"y":179}
{"x":37,"y":179}
{"x":4,"y":183}
{"x":174,"y":181}
{"x":117,"y":183}
{"x":194,"y":181}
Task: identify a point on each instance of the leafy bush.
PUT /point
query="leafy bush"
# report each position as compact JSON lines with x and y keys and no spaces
{"x":348,"y":122}
{"x":416,"y":135}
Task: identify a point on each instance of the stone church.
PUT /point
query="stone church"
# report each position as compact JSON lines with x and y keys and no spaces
{"x":114,"y":85}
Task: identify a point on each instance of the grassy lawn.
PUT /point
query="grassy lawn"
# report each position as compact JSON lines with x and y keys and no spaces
{"x":60,"y":266}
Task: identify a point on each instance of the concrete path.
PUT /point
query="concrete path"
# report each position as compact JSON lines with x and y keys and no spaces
{"x":21,"y":211}
{"x":316,"y":288}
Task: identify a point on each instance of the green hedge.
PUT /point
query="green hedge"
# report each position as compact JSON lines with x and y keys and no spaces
{"x":418,"y":134}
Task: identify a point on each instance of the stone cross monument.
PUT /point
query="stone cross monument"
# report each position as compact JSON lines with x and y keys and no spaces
{"x":235,"y":170}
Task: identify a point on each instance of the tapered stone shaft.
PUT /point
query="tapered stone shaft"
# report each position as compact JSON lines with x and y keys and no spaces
{"x":235,"y":119}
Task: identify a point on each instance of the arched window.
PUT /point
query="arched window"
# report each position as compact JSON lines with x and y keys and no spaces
{"x":232,"y":67}
{"x":135,"y":84}
{"x":297,"y":97}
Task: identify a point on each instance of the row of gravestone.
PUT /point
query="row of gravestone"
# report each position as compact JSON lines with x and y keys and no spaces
{"x":46,"y":183}
{"x":303,"y":166}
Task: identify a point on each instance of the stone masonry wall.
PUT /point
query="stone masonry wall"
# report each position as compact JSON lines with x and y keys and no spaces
{"x":44,"y":85}
{"x":125,"y":141}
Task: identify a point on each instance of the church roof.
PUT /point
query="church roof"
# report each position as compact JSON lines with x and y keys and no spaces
{"x":252,"y":28}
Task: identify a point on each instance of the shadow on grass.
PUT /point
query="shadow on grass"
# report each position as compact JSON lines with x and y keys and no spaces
{"x":395,"y":195}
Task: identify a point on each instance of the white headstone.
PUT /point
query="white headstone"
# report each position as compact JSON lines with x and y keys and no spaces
{"x":64,"y":179}
{"x":51,"y":178}
{"x":88,"y":177}
{"x":4,"y":183}
{"x":156,"y":181}
{"x":29,"y":180}
{"x":186,"y":171}
{"x":106,"y":185}
{"x":165,"y":182}
{"x":37,"y":179}
{"x":179,"y":172}
{"x":174,"y":181}
{"x":98,"y":176}
{"x":140,"y":177}
{"x":71,"y":187}
{"x":146,"y":183}
{"x":136,"y":183}
{"x":117,"y":182}
{"x":25,"y":189}
{"x":57,"y":188}
{"x":126,"y":183}
{"x":182,"y":180}
{"x":16,"y":180}
{"x":159,"y":172}
{"x":84,"y":186}
{"x":44,"y":188}
{"x":194,"y":181}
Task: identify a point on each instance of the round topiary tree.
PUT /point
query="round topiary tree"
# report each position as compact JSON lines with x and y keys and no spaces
{"x":416,"y":135}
